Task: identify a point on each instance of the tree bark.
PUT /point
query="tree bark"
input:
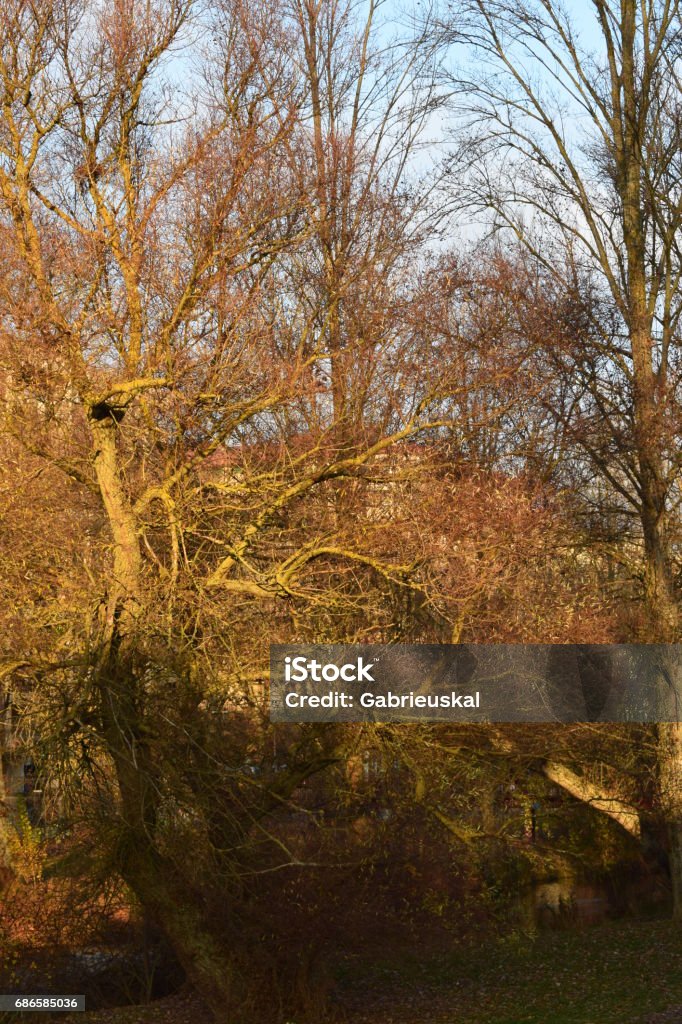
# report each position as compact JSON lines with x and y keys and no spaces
{"x":123,"y":603}
{"x":670,"y":779}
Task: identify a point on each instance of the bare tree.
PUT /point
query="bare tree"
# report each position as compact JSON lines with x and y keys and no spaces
{"x":575,"y":150}
{"x":571,"y":139}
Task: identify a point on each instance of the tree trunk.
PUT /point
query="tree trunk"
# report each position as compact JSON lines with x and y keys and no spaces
{"x":647,"y":414}
{"x":670,"y":775}
{"x":208,"y":964}
{"x":123,"y":603}
{"x":162,"y":890}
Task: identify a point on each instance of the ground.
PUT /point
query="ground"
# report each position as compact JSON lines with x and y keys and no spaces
{"x":625,"y":972}
{"x":621,"y":972}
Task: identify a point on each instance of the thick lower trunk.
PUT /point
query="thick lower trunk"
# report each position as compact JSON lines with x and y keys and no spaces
{"x":206,"y":962}
{"x":664,"y":628}
{"x":670,"y":776}
{"x":167,"y":895}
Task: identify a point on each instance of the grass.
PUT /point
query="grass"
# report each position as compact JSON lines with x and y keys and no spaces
{"x":617,"y":973}
{"x":620,"y":972}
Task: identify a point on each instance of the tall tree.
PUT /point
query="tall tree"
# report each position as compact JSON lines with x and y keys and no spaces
{"x":576,"y":150}
{"x":570,"y":137}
